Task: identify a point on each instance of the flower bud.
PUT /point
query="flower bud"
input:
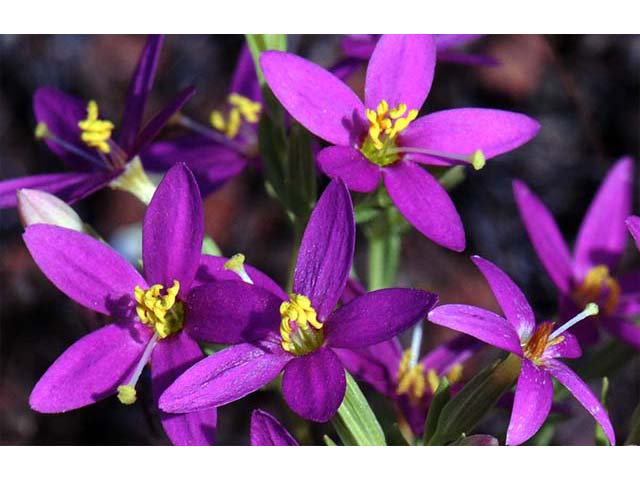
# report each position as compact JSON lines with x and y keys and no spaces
{"x":36,"y":206}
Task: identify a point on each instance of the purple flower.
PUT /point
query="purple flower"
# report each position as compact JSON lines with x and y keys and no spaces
{"x":266,"y":431}
{"x":383,"y":138}
{"x":74,"y":131}
{"x":219,"y":151}
{"x":151,"y":311}
{"x":298,"y":333}
{"x":633,"y":224}
{"x":588,"y":275}
{"x":388,"y":369}
{"x":539,"y":347}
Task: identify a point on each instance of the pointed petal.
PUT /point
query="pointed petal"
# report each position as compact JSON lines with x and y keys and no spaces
{"x":212,"y":269}
{"x":479,"y":323}
{"x":139,"y":90}
{"x":633,"y":224}
{"x":91,"y":369}
{"x":224,"y":377}
{"x":359,"y":46}
{"x":629,"y":303}
{"x":545,"y":236}
{"x":158,"y":122}
{"x":69,"y":187}
{"x":230,"y":312}
{"x":567,"y":348}
{"x":173,"y":230}
{"x":268,"y":432}
{"x":315,"y":98}
{"x":326,"y":250}
{"x":583,"y":394}
{"x":245,"y":78}
{"x":377,"y":316}
{"x":352,"y":290}
{"x":85,"y":269}
{"x":425,"y":204}
{"x":512,"y":301}
{"x":212,"y":164}
{"x":171,"y":358}
{"x":348,"y":164}
{"x":314,"y":385}
{"x":603,"y":234}
{"x":61,"y":113}
{"x":532,"y":403}
{"x":626,"y":330}
{"x":462,"y":131}
{"x":400,"y":71}
{"x":454,"y":352}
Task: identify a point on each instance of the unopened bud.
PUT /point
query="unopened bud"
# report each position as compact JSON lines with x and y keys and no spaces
{"x":36,"y":206}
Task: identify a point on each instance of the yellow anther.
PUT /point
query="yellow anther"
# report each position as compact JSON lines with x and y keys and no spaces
{"x":161,"y":312}
{"x":242,"y":109}
{"x":42,"y":131}
{"x":95,"y":132}
{"x":433,"y":379}
{"x":217,"y":120}
{"x":249,"y":109}
{"x":411,"y":380}
{"x":455,"y":374}
{"x":127,"y":394}
{"x":385,"y":124}
{"x":300,"y":330}
{"x":599,"y":287}
{"x":398,"y":111}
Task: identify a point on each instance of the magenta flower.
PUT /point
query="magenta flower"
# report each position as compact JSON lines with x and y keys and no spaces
{"x":74,"y":131}
{"x":588,"y":275}
{"x":633,"y":224}
{"x":298,"y":333}
{"x":267,"y":431}
{"x":383,"y":138}
{"x":388,"y":369}
{"x":152,"y":318}
{"x":217,"y":152}
{"x":539,"y":347}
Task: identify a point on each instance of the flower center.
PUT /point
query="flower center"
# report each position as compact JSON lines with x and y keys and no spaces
{"x":161,"y":312}
{"x":300,"y":329}
{"x":600,"y":287}
{"x":96,"y":133}
{"x":241,"y":109}
{"x":384,"y":125}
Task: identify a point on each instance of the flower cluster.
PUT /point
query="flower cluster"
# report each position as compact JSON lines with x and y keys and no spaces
{"x":214,"y":330}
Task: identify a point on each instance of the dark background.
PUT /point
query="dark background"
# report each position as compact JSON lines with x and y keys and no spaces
{"x":584,"y":90}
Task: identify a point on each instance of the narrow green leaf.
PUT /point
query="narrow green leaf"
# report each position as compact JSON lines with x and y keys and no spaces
{"x":259,"y":43}
{"x":355,"y":422}
{"x":440,"y":399}
{"x":300,"y":178}
{"x":328,"y":442}
{"x":634,"y":428}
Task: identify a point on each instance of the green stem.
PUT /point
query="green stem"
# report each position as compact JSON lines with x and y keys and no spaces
{"x":299,"y":224}
{"x":383,"y":258}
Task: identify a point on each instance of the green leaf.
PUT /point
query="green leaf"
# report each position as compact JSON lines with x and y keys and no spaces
{"x":259,"y":43}
{"x":300,"y":179}
{"x":453,"y":177}
{"x":328,"y":442}
{"x":634,"y":428}
{"x":209,"y":247}
{"x":440,"y":399}
{"x":355,"y":422}
{"x":600,"y":437}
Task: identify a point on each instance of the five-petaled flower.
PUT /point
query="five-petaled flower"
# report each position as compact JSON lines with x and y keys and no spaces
{"x":588,"y":276}
{"x":152,"y":321}
{"x":74,"y":131}
{"x":384,"y":138}
{"x":539,"y":347}
{"x":294,"y":333}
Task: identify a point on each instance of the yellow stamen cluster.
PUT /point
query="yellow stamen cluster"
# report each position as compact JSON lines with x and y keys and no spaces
{"x":242,"y":108}
{"x":95,"y":132}
{"x":300,"y":329}
{"x":414,"y":382}
{"x":387,"y":123}
{"x":596,"y":284}
{"x":161,"y":312}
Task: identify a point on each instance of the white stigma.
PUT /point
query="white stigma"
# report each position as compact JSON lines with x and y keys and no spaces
{"x":590,"y":310}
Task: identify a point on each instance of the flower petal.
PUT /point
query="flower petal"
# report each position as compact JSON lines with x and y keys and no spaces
{"x":567,"y":348}
{"x":359,"y":46}
{"x":224,"y":377}
{"x":69,"y":187}
{"x":348,"y":164}
{"x":377,"y":316}
{"x":454,"y":352}
{"x":603,"y":234}
{"x":583,"y":394}
{"x":479,"y":323}
{"x":425,"y":204}
{"x":268,"y":432}
{"x":532,"y":403}
{"x":512,"y":301}
{"x":139,"y":90}
{"x":315,"y":98}
{"x":171,"y":358}
{"x":91,"y":369}
{"x":245,"y":79}
{"x":352,"y":290}
{"x":85,"y":269}
{"x":400,"y":71}
{"x":173,"y":230}
{"x":462,"y":131}
{"x":211,"y":163}
{"x":314,"y":385}
{"x":230,"y":312}
{"x":626,"y":330}
{"x":212,"y":269}
{"x":61,"y":113}
{"x":633,"y":224}
{"x":545,"y":236}
{"x":326,"y":250}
